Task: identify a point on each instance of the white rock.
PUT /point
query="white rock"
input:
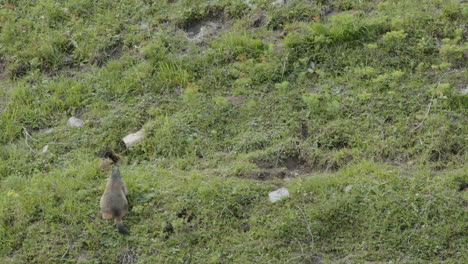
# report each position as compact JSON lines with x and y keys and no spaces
{"x":279,"y":2}
{"x":47,"y":131}
{"x":278,"y":194}
{"x":348,"y":188}
{"x":45,"y":148}
{"x":75,"y":122}
{"x":464,"y":91}
{"x":133,"y":138}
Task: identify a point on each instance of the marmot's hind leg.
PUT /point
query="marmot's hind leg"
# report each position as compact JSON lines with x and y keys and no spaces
{"x":120,"y":226}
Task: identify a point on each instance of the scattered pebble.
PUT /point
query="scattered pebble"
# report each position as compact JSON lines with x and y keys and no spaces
{"x":133,"y":138}
{"x":45,"y":149}
{"x":278,"y":194}
{"x":279,"y":2}
{"x":348,"y":188}
{"x":464,"y":91}
{"x":47,"y":131}
{"x":75,"y":122}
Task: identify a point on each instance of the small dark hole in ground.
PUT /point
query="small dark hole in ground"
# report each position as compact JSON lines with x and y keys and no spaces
{"x":186,"y":215}
{"x":111,"y":154}
{"x":168,"y":229}
{"x":290,"y":162}
{"x":281,"y":167}
{"x":463,"y":186}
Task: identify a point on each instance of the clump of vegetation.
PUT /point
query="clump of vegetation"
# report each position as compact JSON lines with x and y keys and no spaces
{"x":358,"y":108}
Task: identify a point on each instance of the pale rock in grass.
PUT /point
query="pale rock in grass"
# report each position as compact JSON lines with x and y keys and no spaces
{"x":348,"y":188}
{"x":45,"y":149}
{"x":133,"y":138}
{"x":279,"y":2}
{"x":47,"y":131}
{"x":278,"y":194}
{"x":75,"y":122}
{"x":464,"y":91}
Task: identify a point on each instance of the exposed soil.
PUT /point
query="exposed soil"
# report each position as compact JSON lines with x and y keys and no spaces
{"x":129,"y":256}
{"x":290,"y":162}
{"x":201,"y":30}
{"x":112,"y":51}
{"x":235,"y":100}
{"x":205,"y":28}
{"x":287,"y":167}
{"x":3,"y":73}
{"x":110,"y":154}
{"x":258,"y":19}
{"x":7,"y":87}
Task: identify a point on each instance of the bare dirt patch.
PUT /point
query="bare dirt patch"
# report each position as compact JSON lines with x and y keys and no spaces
{"x":113,"y":51}
{"x":281,"y":168}
{"x":111,"y":154}
{"x":202,"y":30}
{"x":258,"y":18}
{"x":3,"y":72}
{"x":207,"y":27}
{"x":5,"y":88}
{"x":129,"y":256}
{"x":235,"y":100}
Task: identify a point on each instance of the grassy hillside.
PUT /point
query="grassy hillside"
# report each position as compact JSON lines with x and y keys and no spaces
{"x":357,"y":107}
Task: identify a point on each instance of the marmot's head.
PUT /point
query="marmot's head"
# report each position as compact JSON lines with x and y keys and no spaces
{"x":115,"y":174}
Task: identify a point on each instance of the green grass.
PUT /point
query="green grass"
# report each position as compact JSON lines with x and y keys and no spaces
{"x":355,"y":106}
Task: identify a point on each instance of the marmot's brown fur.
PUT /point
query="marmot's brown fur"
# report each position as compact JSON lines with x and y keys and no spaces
{"x":114,"y":203}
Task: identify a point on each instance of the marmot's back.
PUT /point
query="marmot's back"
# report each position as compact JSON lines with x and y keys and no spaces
{"x":113,"y":202}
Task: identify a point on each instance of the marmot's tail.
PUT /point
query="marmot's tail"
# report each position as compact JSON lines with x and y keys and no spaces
{"x":120,"y":226}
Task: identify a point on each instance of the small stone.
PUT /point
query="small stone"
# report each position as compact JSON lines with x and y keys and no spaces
{"x":348,"y":188}
{"x":47,"y":131}
{"x":133,"y":138}
{"x":279,"y":2}
{"x":464,"y":91}
{"x":278,"y":194}
{"x":45,"y":148}
{"x":75,"y":122}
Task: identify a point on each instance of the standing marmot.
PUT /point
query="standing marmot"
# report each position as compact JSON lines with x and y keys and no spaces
{"x":114,"y":204}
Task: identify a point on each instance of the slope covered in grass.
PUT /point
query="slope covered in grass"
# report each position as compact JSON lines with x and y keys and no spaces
{"x":359,"y":108}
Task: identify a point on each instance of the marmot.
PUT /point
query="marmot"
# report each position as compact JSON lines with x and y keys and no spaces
{"x":113,"y":203}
